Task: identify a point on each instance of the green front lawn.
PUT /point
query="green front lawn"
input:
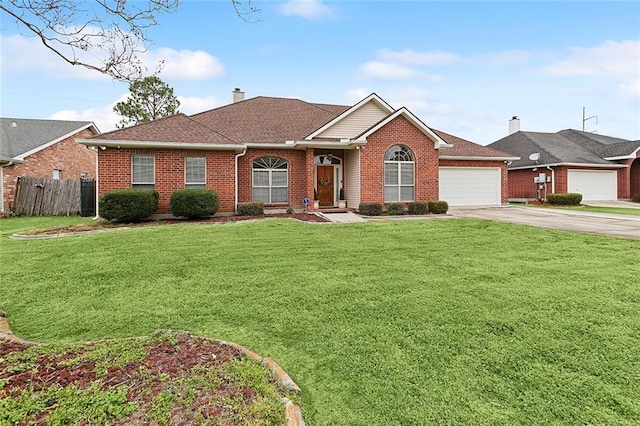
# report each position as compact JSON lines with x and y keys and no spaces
{"x":595,"y":209}
{"x":453,"y":321}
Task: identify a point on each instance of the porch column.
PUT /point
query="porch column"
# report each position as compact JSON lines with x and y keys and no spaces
{"x":309,"y":184}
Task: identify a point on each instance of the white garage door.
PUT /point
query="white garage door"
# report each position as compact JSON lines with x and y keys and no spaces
{"x":594,"y":184}
{"x":470,"y":186}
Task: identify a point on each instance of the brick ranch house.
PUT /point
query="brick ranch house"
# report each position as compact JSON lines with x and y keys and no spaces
{"x":281,"y":151}
{"x":597,"y":166}
{"x":42,"y":149}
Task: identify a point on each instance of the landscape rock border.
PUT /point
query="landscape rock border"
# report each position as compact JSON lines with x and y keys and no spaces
{"x":293,"y":414}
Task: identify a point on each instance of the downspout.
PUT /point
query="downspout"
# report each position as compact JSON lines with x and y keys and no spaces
{"x":97,"y":216}
{"x":236,"y":181}
{"x":553,"y":180}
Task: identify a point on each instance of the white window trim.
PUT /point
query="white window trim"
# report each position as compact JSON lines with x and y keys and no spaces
{"x":58,"y":175}
{"x":154,"y":170}
{"x":270,"y":186}
{"x":400,"y":185}
{"x":204,"y":182}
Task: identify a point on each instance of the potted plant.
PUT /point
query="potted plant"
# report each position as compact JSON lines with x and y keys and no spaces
{"x":342,"y":202}
{"x":316,"y":201}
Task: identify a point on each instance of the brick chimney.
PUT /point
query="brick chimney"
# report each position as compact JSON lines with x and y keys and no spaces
{"x":514,"y":124}
{"x":238,"y":95}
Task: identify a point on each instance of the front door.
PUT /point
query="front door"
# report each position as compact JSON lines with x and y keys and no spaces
{"x":325,"y":185}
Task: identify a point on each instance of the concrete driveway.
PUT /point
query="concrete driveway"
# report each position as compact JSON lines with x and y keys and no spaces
{"x":568,"y":220}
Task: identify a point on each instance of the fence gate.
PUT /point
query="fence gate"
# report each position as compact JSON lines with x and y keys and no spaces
{"x":87,"y":197}
{"x":50,"y":197}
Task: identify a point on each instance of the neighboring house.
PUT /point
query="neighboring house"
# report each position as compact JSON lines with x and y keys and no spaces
{"x":42,"y":149}
{"x":281,"y":151}
{"x":598,"y":167}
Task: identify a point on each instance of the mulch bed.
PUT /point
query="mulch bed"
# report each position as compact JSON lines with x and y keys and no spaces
{"x":102,"y":225}
{"x":169,"y":378}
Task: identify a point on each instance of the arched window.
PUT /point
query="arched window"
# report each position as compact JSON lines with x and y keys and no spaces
{"x":399,"y":174}
{"x":270,"y":180}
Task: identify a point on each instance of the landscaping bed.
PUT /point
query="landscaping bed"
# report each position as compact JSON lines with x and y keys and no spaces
{"x":169,"y":378}
{"x":100,"y":225}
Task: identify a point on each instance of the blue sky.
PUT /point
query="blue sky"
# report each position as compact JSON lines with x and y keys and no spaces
{"x":462,"y":67}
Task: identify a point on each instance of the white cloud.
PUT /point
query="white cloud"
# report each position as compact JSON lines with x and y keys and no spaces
{"x":387,"y":71}
{"x":184,"y":64}
{"x":356,"y":95}
{"x":193,"y":104}
{"x":411,"y":57}
{"x":309,"y":9}
{"x":611,"y":60}
{"x":103,"y":117}
{"x":508,"y":57}
{"x":25,"y":54}
{"x":106,"y":119}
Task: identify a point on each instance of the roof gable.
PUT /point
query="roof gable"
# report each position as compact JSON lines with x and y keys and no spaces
{"x":355,"y":120}
{"x":437,"y":140}
{"x":21,"y":137}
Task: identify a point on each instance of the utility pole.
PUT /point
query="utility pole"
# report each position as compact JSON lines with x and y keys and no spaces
{"x":585,"y":118}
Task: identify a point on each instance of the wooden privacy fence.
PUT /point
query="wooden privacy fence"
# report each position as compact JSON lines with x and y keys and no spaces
{"x":48,"y":197}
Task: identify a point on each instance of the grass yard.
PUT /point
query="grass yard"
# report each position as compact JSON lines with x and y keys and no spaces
{"x":595,"y":209}
{"x":453,"y":321}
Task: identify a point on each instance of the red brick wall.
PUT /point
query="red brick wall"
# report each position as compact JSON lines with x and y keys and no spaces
{"x":67,"y":155}
{"x":504,"y":175}
{"x":398,"y":132}
{"x":297,"y":175}
{"x":521,"y":181}
{"x":634,"y":172}
{"x":114,"y":167}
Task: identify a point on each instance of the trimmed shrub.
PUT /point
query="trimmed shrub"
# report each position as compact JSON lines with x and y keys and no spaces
{"x":290,"y":210}
{"x":370,"y":209}
{"x":438,"y":207}
{"x":418,"y":207}
{"x":395,"y":208}
{"x":193,"y":203}
{"x":128,"y":205}
{"x":567,"y":199}
{"x":254,"y":208}
{"x":636,"y":199}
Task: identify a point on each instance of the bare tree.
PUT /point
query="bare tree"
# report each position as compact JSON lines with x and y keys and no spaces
{"x":102,"y":35}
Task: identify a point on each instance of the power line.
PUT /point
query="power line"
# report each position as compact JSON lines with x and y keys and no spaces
{"x":55,"y":97}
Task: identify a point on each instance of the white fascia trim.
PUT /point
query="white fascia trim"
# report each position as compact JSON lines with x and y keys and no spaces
{"x":372,"y":97}
{"x":634,"y":155}
{"x":9,"y":161}
{"x":351,"y":144}
{"x":55,"y":141}
{"x":161,"y":145}
{"x":602,"y":166}
{"x":437,"y":140}
{"x":453,"y":157}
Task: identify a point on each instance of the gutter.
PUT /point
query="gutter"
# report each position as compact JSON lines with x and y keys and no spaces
{"x":468,"y":157}
{"x":161,"y":145}
{"x":603,"y":166}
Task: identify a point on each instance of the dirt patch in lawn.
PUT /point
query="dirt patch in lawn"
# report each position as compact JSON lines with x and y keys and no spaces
{"x":100,"y":225}
{"x":168,"y":378}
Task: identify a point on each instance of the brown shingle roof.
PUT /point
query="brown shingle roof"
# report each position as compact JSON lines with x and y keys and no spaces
{"x":464,"y":148}
{"x":265,"y":119}
{"x":176,"y":128}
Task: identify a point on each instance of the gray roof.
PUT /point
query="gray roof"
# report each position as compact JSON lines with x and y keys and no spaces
{"x":21,"y":135}
{"x":566,"y":146}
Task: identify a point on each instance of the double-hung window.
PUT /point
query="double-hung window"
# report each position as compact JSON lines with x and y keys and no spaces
{"x":399,"y":174}
{"x":142,"y":172}
{"x":195,"y":175}
{"x":270,"y":180}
